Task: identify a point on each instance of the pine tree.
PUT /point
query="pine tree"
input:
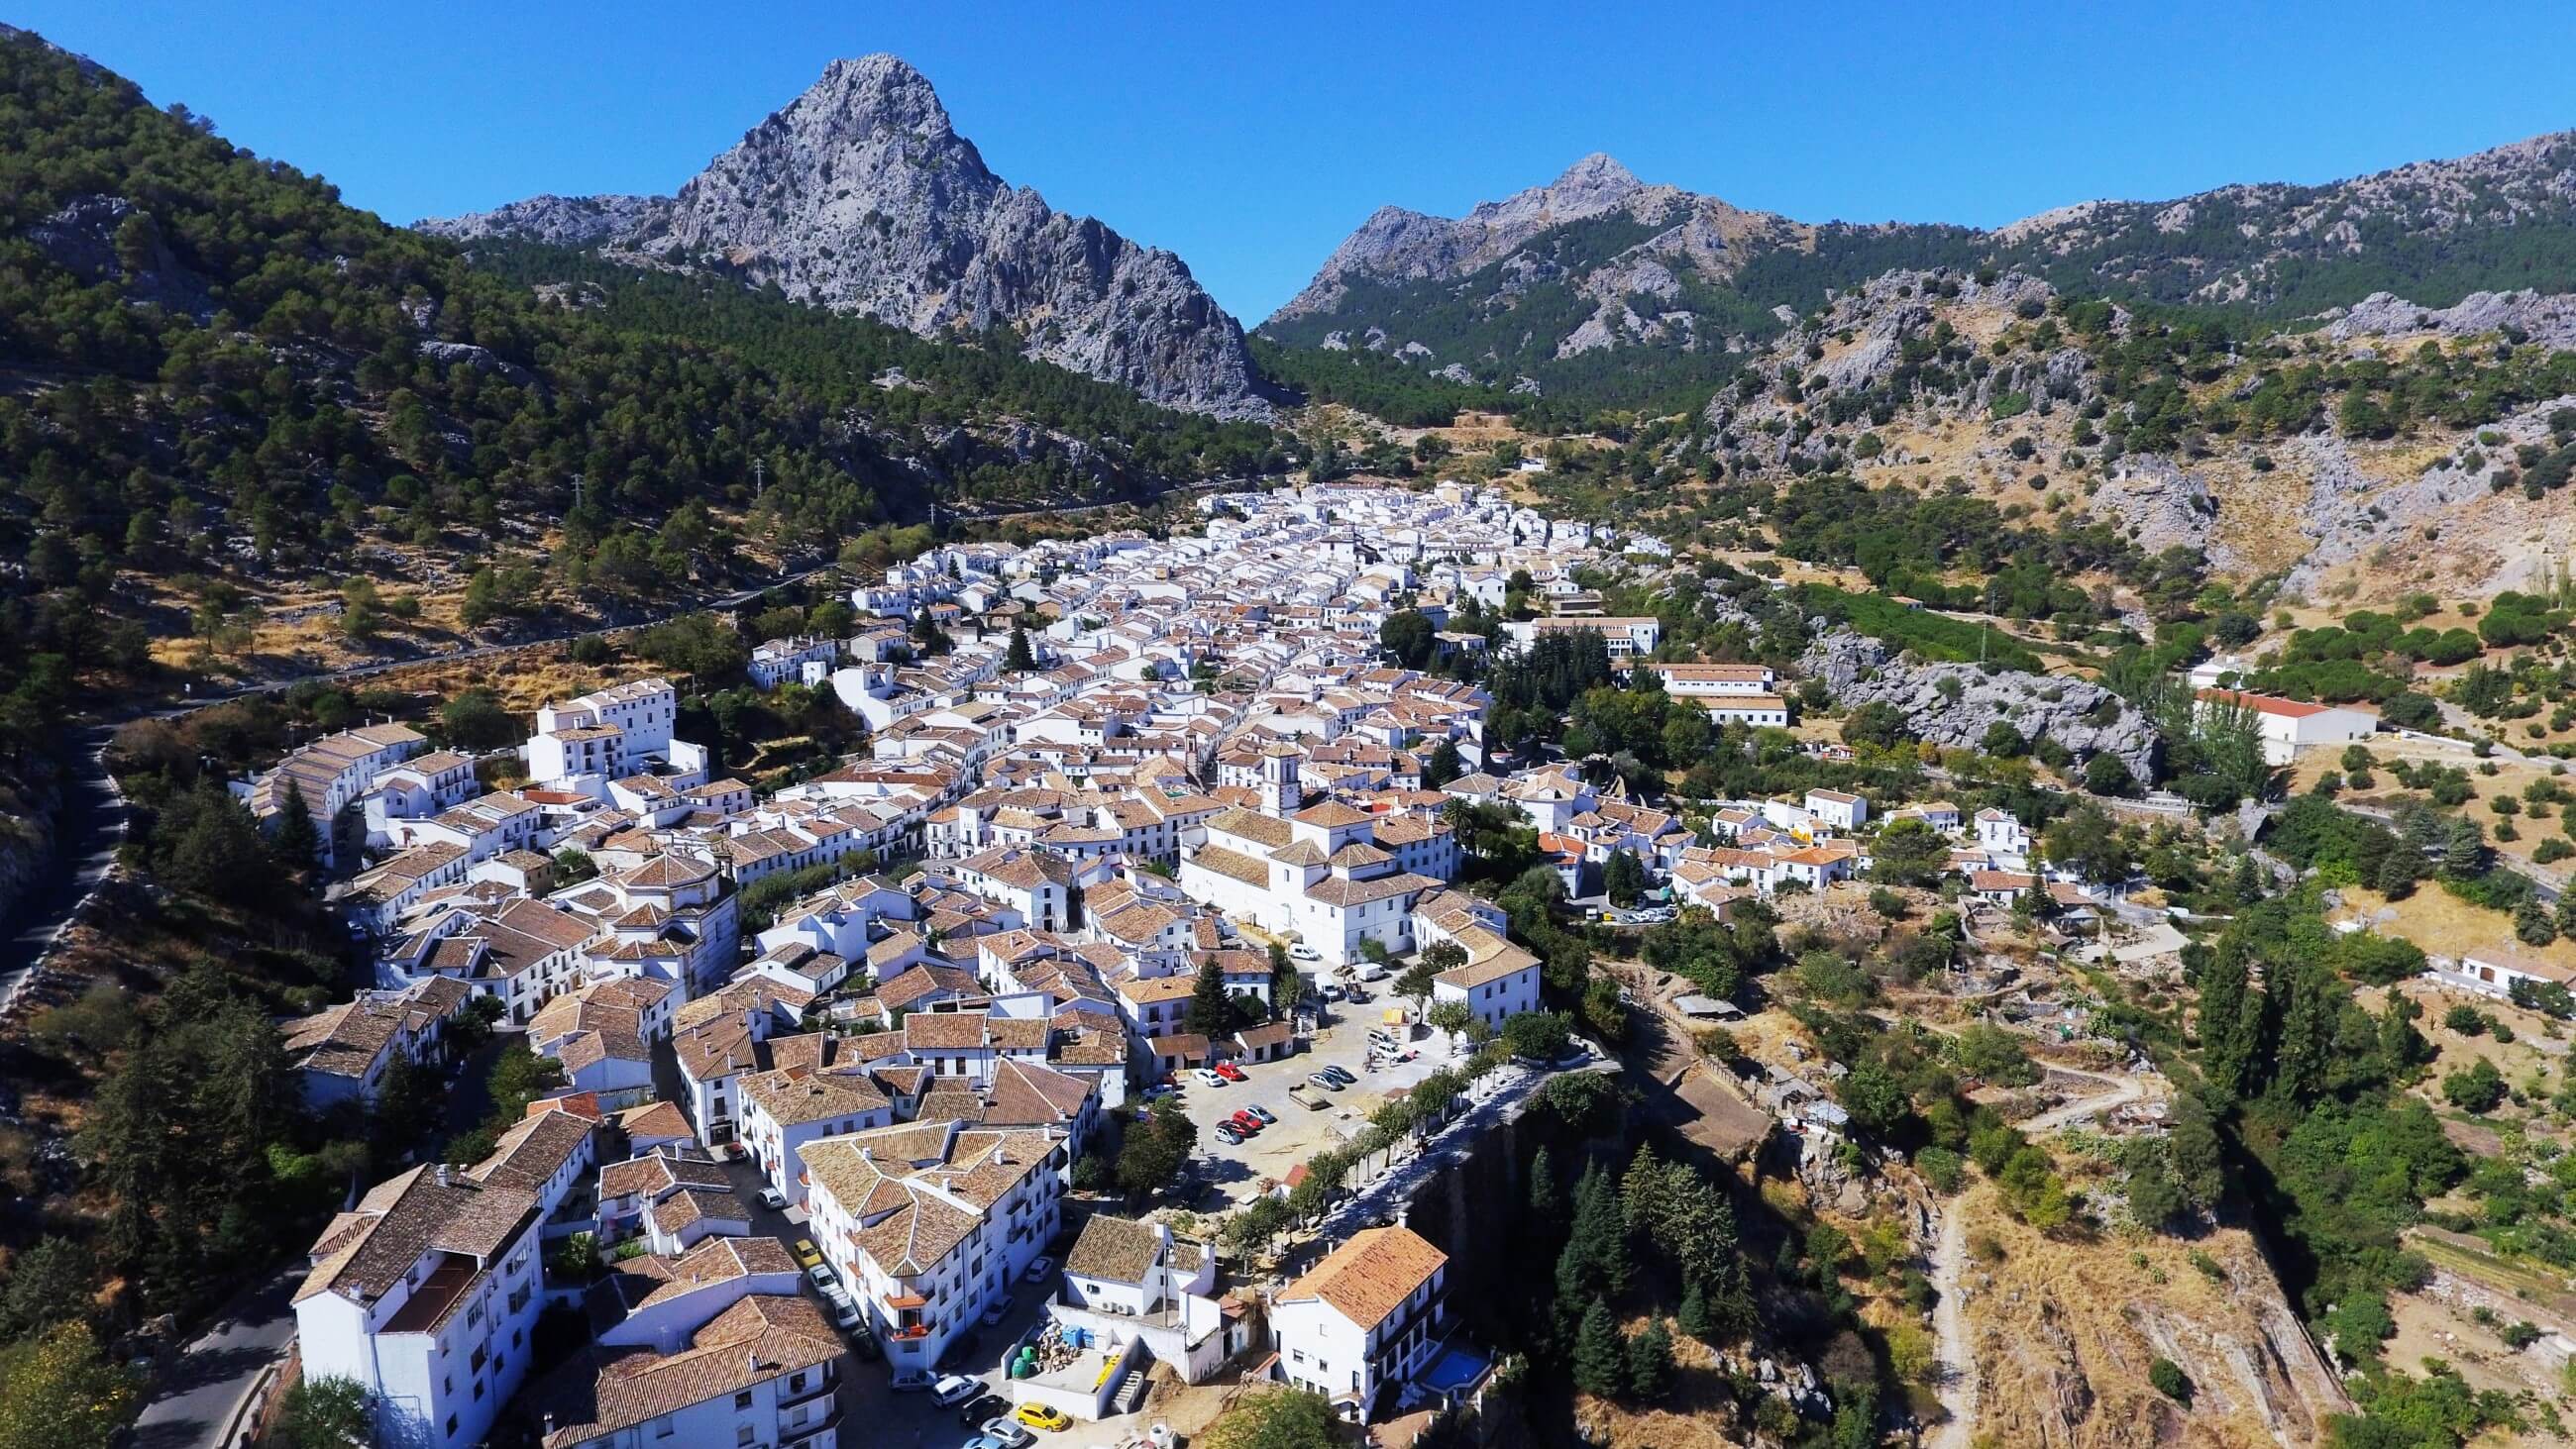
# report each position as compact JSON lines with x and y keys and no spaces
{"x":2248,"y":884}
{"x":2464,"y":849}
{"x":298,"y":841}
{"x":2399,"y":870}
{"x":1695,"y":1318}
{"x":1210,"y":1012}
{"x":1598,"y":1241}
{"x":1019,"y":658}
{"x":2531,"y":923}
{"x":1650,"y":1361}
{"x":1600,"y":1358}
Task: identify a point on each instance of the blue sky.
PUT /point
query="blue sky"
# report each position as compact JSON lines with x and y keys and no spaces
{"x":1251,"y":139}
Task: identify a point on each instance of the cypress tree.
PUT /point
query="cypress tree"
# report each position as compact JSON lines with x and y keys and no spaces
{"x":1209,"y":1013}
{"x":1546,"y":1198}
{"x":2226,"y":1035}
{"x":298,"y":841}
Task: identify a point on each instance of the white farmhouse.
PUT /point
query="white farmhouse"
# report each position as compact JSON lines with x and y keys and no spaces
{"x":2290,"y":725}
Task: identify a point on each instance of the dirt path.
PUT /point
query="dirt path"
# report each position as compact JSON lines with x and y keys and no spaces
{"x":2124,"y":1089}
{"x":1957,"y":1389}
{"x":1958,"y":1372}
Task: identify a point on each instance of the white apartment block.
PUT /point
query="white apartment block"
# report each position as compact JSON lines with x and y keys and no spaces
{"x":426,"y":1293}
{"x":931,"y":1222}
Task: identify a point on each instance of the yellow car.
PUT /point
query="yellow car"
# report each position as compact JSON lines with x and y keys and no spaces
{"x":807,"y":1255}
{"x":1041,"y":1416}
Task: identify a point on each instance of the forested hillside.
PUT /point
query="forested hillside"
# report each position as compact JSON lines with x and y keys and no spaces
{"x":218,"y":382}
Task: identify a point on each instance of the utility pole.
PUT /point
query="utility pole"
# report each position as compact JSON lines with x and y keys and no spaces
{"x":759,"y":478}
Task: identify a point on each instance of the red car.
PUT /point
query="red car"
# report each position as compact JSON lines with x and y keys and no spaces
{"x":1230,"y":1072}
{"x":1245,"y":1123}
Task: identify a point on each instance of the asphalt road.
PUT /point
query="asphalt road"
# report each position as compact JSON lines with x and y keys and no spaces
{"x":213,"y":1375}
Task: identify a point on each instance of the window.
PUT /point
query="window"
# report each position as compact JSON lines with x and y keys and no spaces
{"x":742,"y":1434}
{"x":662,"y":1427}
{"x":742,"y":1400}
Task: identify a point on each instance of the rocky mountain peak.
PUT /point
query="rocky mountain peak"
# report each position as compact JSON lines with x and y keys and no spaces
{"x":1597,"y":180}
{"x":871,"y":97}
{"x":860,"y":195}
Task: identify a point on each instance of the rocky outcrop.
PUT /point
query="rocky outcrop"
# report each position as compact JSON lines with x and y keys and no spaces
{"x":2548,"y":319}
{"x":2156,"y":504}
{"x":861,"y":196}
{"x":2350,"y":513}
{"x":108,"y":239}
{"x":563,"y":221}
{"x":1955,"y":704}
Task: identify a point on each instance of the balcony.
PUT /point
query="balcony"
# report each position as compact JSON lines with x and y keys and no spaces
{"x":901,"y":1301}
{"x":907,"y":1331}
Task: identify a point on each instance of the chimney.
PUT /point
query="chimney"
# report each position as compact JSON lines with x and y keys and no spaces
{"x":442,"y":1174}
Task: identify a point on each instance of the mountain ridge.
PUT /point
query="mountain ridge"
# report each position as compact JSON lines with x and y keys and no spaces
{"x":861,"y":196}
{"x":1597,"y":262}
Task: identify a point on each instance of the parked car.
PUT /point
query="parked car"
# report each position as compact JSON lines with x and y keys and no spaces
{"x":1245,"y":1123}
{"x":1038,"y":1269}
{"x":1329,"y":1084}
{"x":1208,"y":1077}
{"x":984,"y":1406}
{"x":822,"y":1275}
{"x":1043,"y":1416}
{"x":772,"y":1199}
{"x":1227,"y":1133}
{"x":806,"y":1254}
{"x":1007,"y":1431}
{"x":999,"y":1309}
{"x":1340,"y":1073}
{"x":1160,"y":1090}
{"x":1265,"y":1114}
{"x":1372,"y":971}
{"x":1230,"y":1072}
{"x":864,"y":1343}
{"x":1303,"y":952}
{"x":1331,"y":992}
{"x":954,"y":1389}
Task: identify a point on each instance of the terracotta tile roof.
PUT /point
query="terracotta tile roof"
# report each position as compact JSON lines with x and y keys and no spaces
{"x":605,"y":1391}
{"x":1368,"y":1278}
{"x":1115,"y":1249}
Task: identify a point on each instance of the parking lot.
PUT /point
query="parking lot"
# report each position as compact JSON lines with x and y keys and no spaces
{"x":1232,"y":1174}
